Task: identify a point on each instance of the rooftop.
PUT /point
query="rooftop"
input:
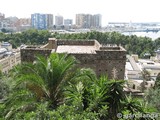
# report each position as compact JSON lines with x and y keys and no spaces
{"x":2,"y":50}
{"x":84,"y":46}
{"x":5,"y":44}
{"x":148,"y":64}
{"x":128,"y":66}
{"x":76,"y":49}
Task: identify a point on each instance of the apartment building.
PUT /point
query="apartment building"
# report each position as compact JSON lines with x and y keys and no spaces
{"x":88,"y":20}
{"x":42,"y":21}
{"x":9,"y":61}
{"x":58,"y":20}
{"x":8,"y":57}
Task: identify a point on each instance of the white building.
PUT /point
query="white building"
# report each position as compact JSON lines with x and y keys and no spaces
{"x":6,"y":45}
{"x":152,"y":67}
{"x":134,"y":68}
{"x":8,"y":62}
{"x":8,"y":57}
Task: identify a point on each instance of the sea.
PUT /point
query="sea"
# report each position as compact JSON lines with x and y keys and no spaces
{"x":152,"y":35}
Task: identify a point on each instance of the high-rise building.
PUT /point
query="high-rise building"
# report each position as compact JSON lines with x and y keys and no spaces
{"x":42,"y":21}
{"x":97,"y":20}
{"x":38,"y":21}
{"x":80,"y":18}
{"x":49,"y":20}
{"x":58,"y":20}
{"x":88,"y":21}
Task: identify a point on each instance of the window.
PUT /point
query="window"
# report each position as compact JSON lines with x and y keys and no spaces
{"x":134,"y":86}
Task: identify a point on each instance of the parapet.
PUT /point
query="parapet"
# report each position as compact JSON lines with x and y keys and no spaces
{"x":111,"y":47}
{"x":76,"y":42}
{"x":29,"y":53}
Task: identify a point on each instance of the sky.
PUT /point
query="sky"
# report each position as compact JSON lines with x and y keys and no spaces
{"x":111,"y":10}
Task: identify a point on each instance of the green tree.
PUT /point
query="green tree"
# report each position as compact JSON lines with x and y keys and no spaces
{"x":152,"y":98}
{"x":131,"y":104}
{"x":41,"y":81}
{"x":88,"y":96}
{"x":116,"y":95}
{"x":157,"y":82}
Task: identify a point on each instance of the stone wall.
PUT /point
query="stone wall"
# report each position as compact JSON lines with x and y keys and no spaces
{"x":76,"y":42}
{"x":29,"y":54}
{"x":106,"y":61}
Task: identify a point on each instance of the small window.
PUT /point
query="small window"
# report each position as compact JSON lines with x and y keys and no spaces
{"x":134,"y":86}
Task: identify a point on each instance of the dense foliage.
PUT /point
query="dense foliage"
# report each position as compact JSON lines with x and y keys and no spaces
{"x":55,"y":88}
{"x":133,"y":44}
{"x":152,"y":95}
{"x":31,"y":36}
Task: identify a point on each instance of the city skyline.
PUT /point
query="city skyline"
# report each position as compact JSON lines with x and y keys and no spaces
{"x":111,"y":10}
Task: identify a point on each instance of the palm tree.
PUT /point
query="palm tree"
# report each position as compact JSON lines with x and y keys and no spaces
{"x":152,"y":98}
{"x":131,"y":104}
{"x":97,"y":97}
{"x":102,"y":96}
{"x":88,"y":94}
{"x":46,"y":76}
{"x":116,"y":95}
{"x":42,"y":80}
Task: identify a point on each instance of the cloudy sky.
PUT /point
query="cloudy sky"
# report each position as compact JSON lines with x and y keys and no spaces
{"x":111,"y":10}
